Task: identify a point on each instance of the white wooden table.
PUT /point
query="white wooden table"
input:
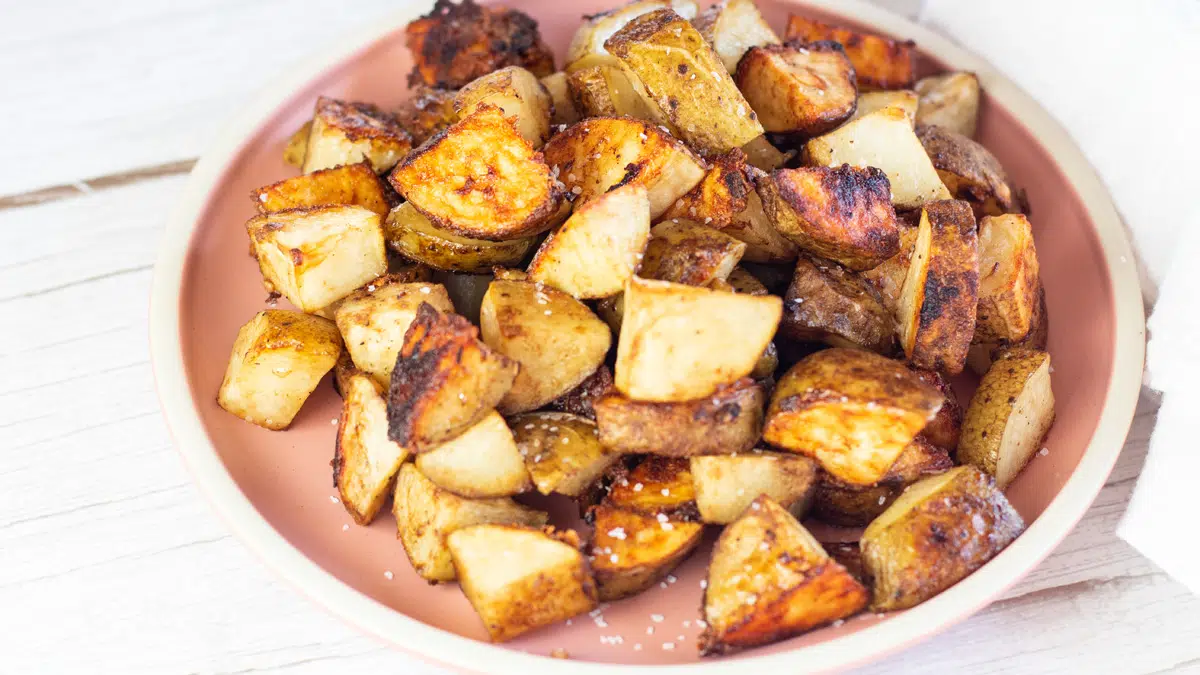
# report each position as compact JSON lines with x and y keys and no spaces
{"x":109,"y":559}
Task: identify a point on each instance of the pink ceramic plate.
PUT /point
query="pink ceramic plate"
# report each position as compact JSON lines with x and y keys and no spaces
{"x":274,"y":488}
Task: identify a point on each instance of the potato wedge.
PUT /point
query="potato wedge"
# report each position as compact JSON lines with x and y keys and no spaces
{"x":345,"y":132}
{"x":1010,"y":284}
{"x":365,"y":461}
{"x":839,"y":503}
{"x":563,"y":110}
{"x":374,"y":319}
{"x":851,"y":410}
{"x":969,"y":171}
{"x":355,"y":185}
{"x":727,"y":484}
{"x":826,"y":303}
{"x":950,"y":101}
{"x":769,"y":579}
{"x":658,"y":486}
{"x":445,"y":380}
{"x":562,"y":451}
{"x":596,"y":28}
{"x":939,"y":531}
{"x":730,"y":420}
{"x":632,"y":551}
{"x":427,"y":112}
{"x":297,"y":145}
{"x":904,"y":99}
{"x":483,"y":461}
{"x":1010,"y":414}
{"x":518,"y":93}
{"x":581,"y":400}
{"x":278,"y":359}
{"x":732,"y":27}
{"x":672,"y":349}
{"x":888,"y":277}
{"x":946,"y":428}
{"x":688,"y":253}
{"x":804,"y":89}
{"x":879,"y":63}
{"x":409,"y":233}
{"x":938,"y":302}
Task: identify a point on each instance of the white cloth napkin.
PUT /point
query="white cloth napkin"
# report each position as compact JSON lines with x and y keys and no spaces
{"x":1121,"y":77}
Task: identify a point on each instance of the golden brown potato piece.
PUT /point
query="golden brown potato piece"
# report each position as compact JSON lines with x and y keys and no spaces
{"x":480,"y":179}
{"x":589,"y":38}
{"x":674,"y":348}
{"x":840,"y":503}
{"x":562,"y":451}
{"x":483,"y":461}
{"x":769,"y":579}
{"x":937,"y":306}
{"x":944,"y":430}
{"x":557,"y":340}
{"x":879,"y":63}
{"x":445,"y":380}
{"x":1010,"y":284}
{"x":888,"y":278}
{"x":969,"y":171}
{"x":726,"y":484}
{"x":732,"y":27}
{"x":826,"y":303}
{"x":598,"y":249}
{"x":688,"y":253}
{"x":278,"y":358}
{"x":426,"y":514}
{"x":518,"y":93}
{"x":658,"y":486}
{"x":950,"y":101}
{"x":457,"y":42}
{"x":1010,"y":414}
{"x":796,"y":88}
{"x":981,"y":354}
{"x":632,"y":551}
{"x":607,"y":90}
{"x":903,"y":99}
{"x":374,"y":318}
{"x":355,"y":185}
{"x":686,"y":79}
{"x":365,"y":461}
{"x":409,"y":233}
{"x":343,"y":370}
{"x":346,"y":132}
{"x":581,"y":400}
{"x":939,"y":531}
{"x":851,"y":410}
{"x":427,"y":112}
{"x":297,"y":145}
{"x":730,"y":420}
{"x":563,"y":109}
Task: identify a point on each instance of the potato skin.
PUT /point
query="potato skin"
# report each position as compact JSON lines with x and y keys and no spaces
{"x":349,"y":132}
{"x":568,"y":468}
{"x":970,"y":171}
{"x":658,"y":485}
{"x":687,"y":253}
{"x":879,"y":63}
{"x":412,"y":235}
{"x":826,"y":303}
{"x":845,"y":505}
{"x":888,"y":277}
{"x":798,"y":88}
{"x":631,"y":551}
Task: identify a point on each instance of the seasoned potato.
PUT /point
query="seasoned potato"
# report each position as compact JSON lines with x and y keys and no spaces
{"x":1010,"y":283}
{"x":595,"y":29}
{"x":732,"y":27}
{"x":904,"y":99}
{"x":658,"y":486}
{"x":981,"y":354}
{"x":480,"y":179}
{"x":884,"y":139}
{"x":518,"y":93}
{"x":355,"y":185}
{"x":632,"y":551}
{"x":297,"y":145}
{"x":843,"y":214}
{"x":840,"y":503}
{"x":409,"y":233}
{"x":727,"y":484}
{"x":969,"y":171}
{"x":445,"y":380}
{"x":316,"y":256}
{"x":426,"y":514}
{"x":607,"y":90}
{"x":597,"y":154}
{"x":939,"y":531}
{"x":672,"y":349}
{"x":950,"y":101}
{"x":686,"y":79}
{"x":598,"y":249}
{"x":730,"y":420}
{"x":562,"y":108}
{"x":888,"y":277}
{"x":937,"y":306}
{"x":944,"y":430}
{"x":557,"y":340}
{"x":427,"y":112}
{"x":879,"y":63}
{"x":562,"y":451}
{"x":685,"y":252}
{"x":483,"y":461}
{"x":374,"y":318}
{"x":364,"y":461}
{"x":764,"y":156}
{"x":825,"y":303}
{"x":278,"y":358}
{"x":348,"y":133}
{"x":805,"y":89}
{"x":764,"y":243}
{"x":581,"y":400}
{"x":1009,"y":415}
{"x":343,"y":370}
{"x":851,"y":410}
{"x":457,"y":42}
{"x":769,"y":579}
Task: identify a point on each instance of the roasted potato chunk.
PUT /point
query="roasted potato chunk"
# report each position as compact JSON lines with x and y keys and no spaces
{"x":658,"y":486}
{"x":581,"y":400}
{"x":364,"y":461}
{"x":297,"y":145}
{"x":685,"y":252}
{"x":903,"y":99}
{"x":944,"y":430}
{"x":481,"y":462}
{"x":317,"y":256}
{"x":346,"y":132}
{"x":1010,"y":414}
{"x":981,"y":354}
{"x":732,"y":27}
{"x":727,"y":484}
{"x":939,"y":531}
{"x":562,"y":451}
{"x":457,"y":42}
{"x":769,"y":579}
{"x":518,"y":93}
{"x":969,"y":171}
{"x":562,"y":108}
{"x":879,"y":63}
{"x":606,"y":90}
{"x":845,"y":505}
{"x":851,"y":410}
{"x":888,"y":277}
{"x":730,"y":420}
{"x":686,"y":79}
{"x":670,"y":349}
{"x":596,"y":28}
{"x":557,"y":340}
{"x":445,"y":380}
{"x":937,"y":306}
{"x":950,"y":101}
{"x":412,"y":235}
{"x":1010,"y":284}
{"x":825,"y":303}
{"x":343,"y":370}
{"x":426,"y":514}
{"x":278,"y":358}
{"x":355,"y":185}
{"x":805,"y":89}
{"x":632,"y":551}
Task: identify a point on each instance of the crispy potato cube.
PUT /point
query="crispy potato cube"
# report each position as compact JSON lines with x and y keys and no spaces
{"x":457,"y":42}
{"x":563,"y":109}
{"x":518,"y":93}
{"x":1010,"y":285}
{"x":481,"y":462}
{"x":1009,"y":415}
{"x":879,"y":63}
{"x":884,"y":139}
{"x":673,"y":347}
{"x":427,"y":112}
{"x":839,"y":503}
{"x":937,"y":306}
{"x":969,"y":171}
{"x":426,"y":514}
{"x":632,"y":551}
{"x":319,"y":255}
{"x":411,"y":234}
{"x":354,"y":185}
{"x":365,"y":461}
{"x":732,"y":27}
{"x":278,"y":358}
{"x":730,"y":420}
{"x":888,"y":277}
{"x":939,"y":531}
{"x":826,"y":303}
{"x":769,"y":579}
{"x":688,"y":253}
{"x":297,"y":145}
{"x":589,"y":38}
{"x":950,"y":101}
{"x":346,"y":132}
{"x":851,"y":410}
{"x":795,"y":88}
{"x":445,"y":380}
{"x":727,"y":484}
{"x":598,"y":249}
{"x":903,"y":99}
{"x":562,"y":451}
{"x":658,"y":486}
{"x":581,"y":400}
{"x":557,"y":340}
{"x":944,"y":430}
